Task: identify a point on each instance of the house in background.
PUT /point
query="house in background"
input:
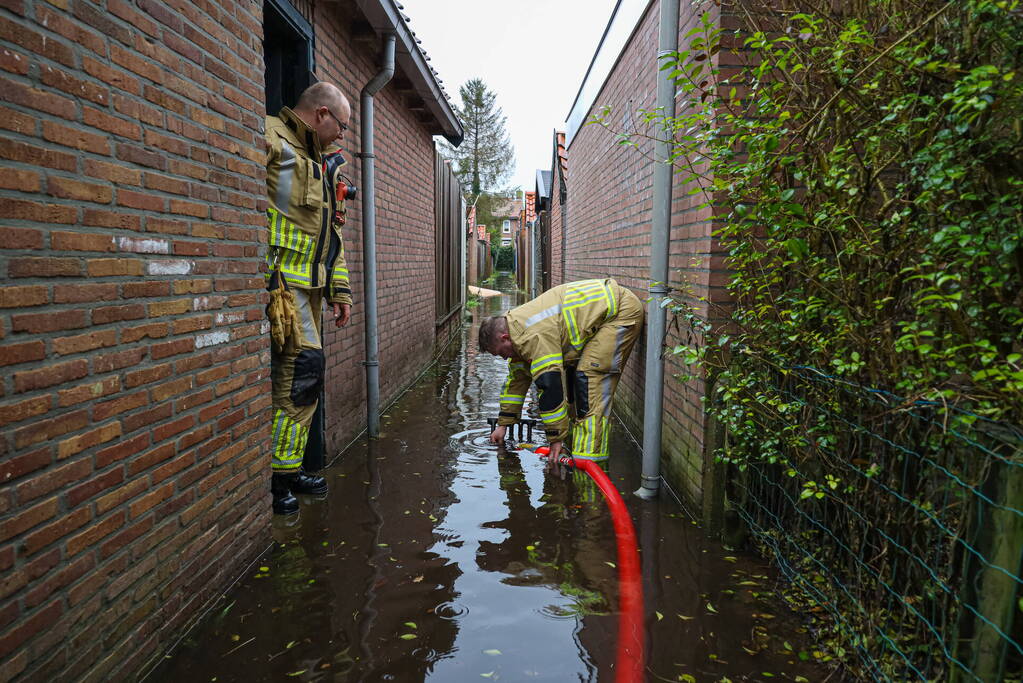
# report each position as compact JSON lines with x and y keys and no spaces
{"x":135,"y":402}
{"x":507,"y":212}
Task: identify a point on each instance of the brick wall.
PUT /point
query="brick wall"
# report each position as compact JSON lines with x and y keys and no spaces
{"x":610,"y":236}
{"x":134,"y":407}
{"x":135,"y":384}
{"x":557,"y":214}
{"x":406,"y":245}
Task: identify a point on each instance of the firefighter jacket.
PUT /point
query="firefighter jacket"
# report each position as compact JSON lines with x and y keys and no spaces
{"x":305,"y":214}
{"x":549,"y":334}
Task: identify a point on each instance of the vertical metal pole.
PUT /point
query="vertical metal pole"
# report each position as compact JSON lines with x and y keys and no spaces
{"x":369,"y":237}
{"x":660,"y":245}
{"x":998,"y":586}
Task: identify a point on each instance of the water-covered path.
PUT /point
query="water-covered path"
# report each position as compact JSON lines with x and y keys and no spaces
{"x":434,"y":559}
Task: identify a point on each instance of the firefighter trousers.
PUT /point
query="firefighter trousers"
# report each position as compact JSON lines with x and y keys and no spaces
{"x":296,"y":374}
{"x":596,"y":377}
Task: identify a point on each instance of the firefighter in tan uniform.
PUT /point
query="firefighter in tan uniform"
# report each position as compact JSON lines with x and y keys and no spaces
{"x":306,"y":266}
{"x":571,"y":341}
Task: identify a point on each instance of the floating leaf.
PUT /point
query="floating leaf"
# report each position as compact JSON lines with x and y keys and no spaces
{"x":489,"y":674}
{"x":411,"y":624}
{"x":710,"y":608}
{"x":684,"y":617}
{"x":801,"y":679}
{"x":731,"y":559}
{"x":407,"y":636}
{"x":264,"y":569}
{"x":235,"y":638}
{"x":530,"y":547}
{"x":417,"y":579}
{"x":290,"y":645}
{"x":296,"y":673}
{"x":610,"y":564}
{"x":659,"y":616}
{"x":686,"y":678}
{"x":492,"y":653}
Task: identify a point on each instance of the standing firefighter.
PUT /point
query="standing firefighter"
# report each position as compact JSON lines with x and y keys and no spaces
{"x":305,"y":257}
{"x":572,"y":340}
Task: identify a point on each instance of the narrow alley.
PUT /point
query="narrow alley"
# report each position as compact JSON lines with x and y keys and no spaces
{"x":435,"y":558}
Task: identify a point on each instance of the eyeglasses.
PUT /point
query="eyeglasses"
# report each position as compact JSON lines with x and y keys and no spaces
{"x":342,"y":127}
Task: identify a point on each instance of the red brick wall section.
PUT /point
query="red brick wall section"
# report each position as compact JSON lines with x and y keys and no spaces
{"x":609,"y":235}
{"x":405,"y":234}
{"x":556,"y":213}
{"x":135,"y":392}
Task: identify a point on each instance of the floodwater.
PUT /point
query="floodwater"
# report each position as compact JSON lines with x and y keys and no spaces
{"x":434,"y":558}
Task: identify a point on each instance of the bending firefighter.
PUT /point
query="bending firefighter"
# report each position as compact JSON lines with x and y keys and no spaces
{"x":572,"y":342}
{"x":306,"y":265}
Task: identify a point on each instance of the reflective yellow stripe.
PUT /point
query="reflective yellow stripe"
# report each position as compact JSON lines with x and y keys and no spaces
{"x":591,"y":438}
{"x":545,"y":362}
{"x":296,"y":249}
{"x":555,"y":415}
{"x":582,"y":294}
{"x":288,"y":440}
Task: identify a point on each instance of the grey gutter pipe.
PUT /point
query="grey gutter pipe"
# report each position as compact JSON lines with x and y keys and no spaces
{"x":369,"y":234}
{"x":660,"y":245}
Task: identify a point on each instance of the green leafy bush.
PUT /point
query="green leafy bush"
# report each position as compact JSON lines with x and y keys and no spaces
{"x":866,"y":171}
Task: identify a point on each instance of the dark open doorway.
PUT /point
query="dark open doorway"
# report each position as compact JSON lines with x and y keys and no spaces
{"x":288,"y":51}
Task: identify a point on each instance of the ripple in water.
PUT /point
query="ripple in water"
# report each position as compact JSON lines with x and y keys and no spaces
{"x":425,"y":654}
{"x":451,"y":610}
{"x":474,"y":439}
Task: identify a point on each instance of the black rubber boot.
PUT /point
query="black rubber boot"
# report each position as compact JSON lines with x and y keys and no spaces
{"x":284,"y":502}
{"x":307,"y":484}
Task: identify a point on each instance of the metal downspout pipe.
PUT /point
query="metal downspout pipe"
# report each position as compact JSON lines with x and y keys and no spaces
{"x":660,"y":245}
{"x":369,"y":234}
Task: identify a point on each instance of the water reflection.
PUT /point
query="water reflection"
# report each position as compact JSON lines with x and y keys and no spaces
{"x":434,"y":558}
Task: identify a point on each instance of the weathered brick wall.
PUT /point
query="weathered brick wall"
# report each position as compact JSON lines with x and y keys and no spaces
{"x":609,"y":235}
{"x":557,"y":214}
{"x":405,"y":234}
{"x":135,"y":402}
{"x":135,"y":390}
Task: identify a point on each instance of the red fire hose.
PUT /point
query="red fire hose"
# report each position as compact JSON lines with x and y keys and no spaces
{"x":630,"y":660}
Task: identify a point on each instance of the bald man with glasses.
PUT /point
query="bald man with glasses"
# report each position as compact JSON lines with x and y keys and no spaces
{"x":306,"y":259}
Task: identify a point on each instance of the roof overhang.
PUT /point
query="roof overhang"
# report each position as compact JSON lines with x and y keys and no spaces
{"x":385,"y":17}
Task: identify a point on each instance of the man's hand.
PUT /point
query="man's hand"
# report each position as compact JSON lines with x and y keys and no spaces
{"x":497,"y":436}
{"x":342,"y":313}
{"x":555,"y":451}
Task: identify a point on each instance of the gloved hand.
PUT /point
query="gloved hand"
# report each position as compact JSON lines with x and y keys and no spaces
{"x":283,"y":315}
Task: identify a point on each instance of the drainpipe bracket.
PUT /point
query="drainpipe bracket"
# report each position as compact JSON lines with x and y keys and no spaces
{"x":364,"y":155}
{"x":371,"y":363}
{"x":659,"y":289}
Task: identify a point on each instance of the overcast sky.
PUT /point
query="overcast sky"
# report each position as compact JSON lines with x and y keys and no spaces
{"x":531,"y":53}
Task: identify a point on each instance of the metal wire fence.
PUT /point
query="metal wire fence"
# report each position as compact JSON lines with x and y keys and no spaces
{"x":899,"y":524}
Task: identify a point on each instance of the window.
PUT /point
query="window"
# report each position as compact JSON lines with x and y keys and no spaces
{"x":506,"y":228}
{"x":288,"y":52}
